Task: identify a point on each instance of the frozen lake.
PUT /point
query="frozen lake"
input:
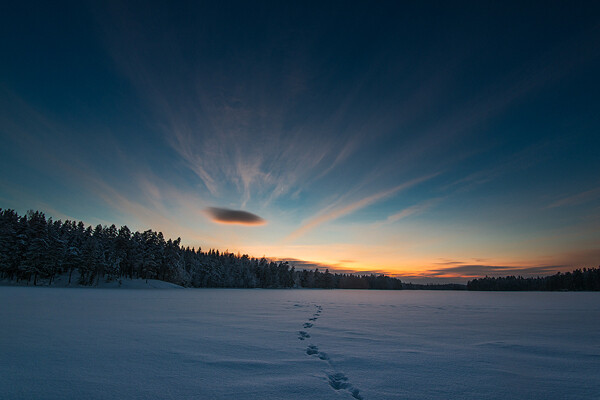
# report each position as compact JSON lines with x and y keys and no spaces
{"x":297,"y":344}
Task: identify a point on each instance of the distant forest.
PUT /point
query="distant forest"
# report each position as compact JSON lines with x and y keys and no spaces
{"x":34,"y":248}
{"x":579,"y":279}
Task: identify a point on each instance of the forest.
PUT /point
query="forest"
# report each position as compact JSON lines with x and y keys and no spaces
{"x":34,"y":248}
{"x":580,"y":279}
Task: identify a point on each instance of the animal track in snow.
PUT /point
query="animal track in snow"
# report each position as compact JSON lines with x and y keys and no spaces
{"x":312,"y":349}
{"x":337,"y":380}
{"x":303,"y":335}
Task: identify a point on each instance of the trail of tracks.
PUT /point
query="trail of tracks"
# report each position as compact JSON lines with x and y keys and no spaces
{"x":337,"y":380}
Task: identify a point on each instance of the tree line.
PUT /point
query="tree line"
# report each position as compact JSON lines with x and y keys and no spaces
{"x":34,"y":248}
{"x":577,"y":280}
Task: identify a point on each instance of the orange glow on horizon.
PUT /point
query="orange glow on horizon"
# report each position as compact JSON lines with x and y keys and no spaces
{"x":366,"y":260}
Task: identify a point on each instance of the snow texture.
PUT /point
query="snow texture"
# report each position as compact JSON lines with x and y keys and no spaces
{"x":297,"y":344}
{"x":122,"y":283}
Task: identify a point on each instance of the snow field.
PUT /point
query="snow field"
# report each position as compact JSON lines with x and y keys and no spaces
{"x":297,"y":344}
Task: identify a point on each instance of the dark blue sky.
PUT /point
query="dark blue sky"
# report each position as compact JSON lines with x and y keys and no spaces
{"x":425,"y":139}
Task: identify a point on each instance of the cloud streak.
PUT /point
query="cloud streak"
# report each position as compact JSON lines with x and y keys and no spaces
{"x":577,"y":199}
{"x":338,"y":212}
{"x":227,"y":216}
{"x":416,"y":209}
{"x":477,"y":271}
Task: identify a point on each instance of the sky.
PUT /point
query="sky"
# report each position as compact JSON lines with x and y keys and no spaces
{"x":427,"y":140}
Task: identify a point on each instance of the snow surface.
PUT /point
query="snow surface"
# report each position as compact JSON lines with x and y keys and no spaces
{"x":122,"y":283}
{"x":297,"y":344}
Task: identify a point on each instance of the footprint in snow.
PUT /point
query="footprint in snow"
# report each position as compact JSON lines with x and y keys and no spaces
{"x":313,"y":350}
{"x":339,"y":381}
{"x":303,"y":335}
{"x":307,"y":325}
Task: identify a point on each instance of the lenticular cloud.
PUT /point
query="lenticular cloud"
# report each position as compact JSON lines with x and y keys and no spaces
{"x":227,"y":216}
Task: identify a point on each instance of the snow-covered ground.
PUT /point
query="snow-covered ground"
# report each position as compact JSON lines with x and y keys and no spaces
{"x":297,"y":344}
{"x":122,"y":283}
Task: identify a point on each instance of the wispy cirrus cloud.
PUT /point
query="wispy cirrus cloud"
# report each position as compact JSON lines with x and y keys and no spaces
{"x":235,"y":127}
{"x":135,"y":196}
{"x":576,"y":199}
{"x":413,"y":210}
{"x":335,"y":212}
